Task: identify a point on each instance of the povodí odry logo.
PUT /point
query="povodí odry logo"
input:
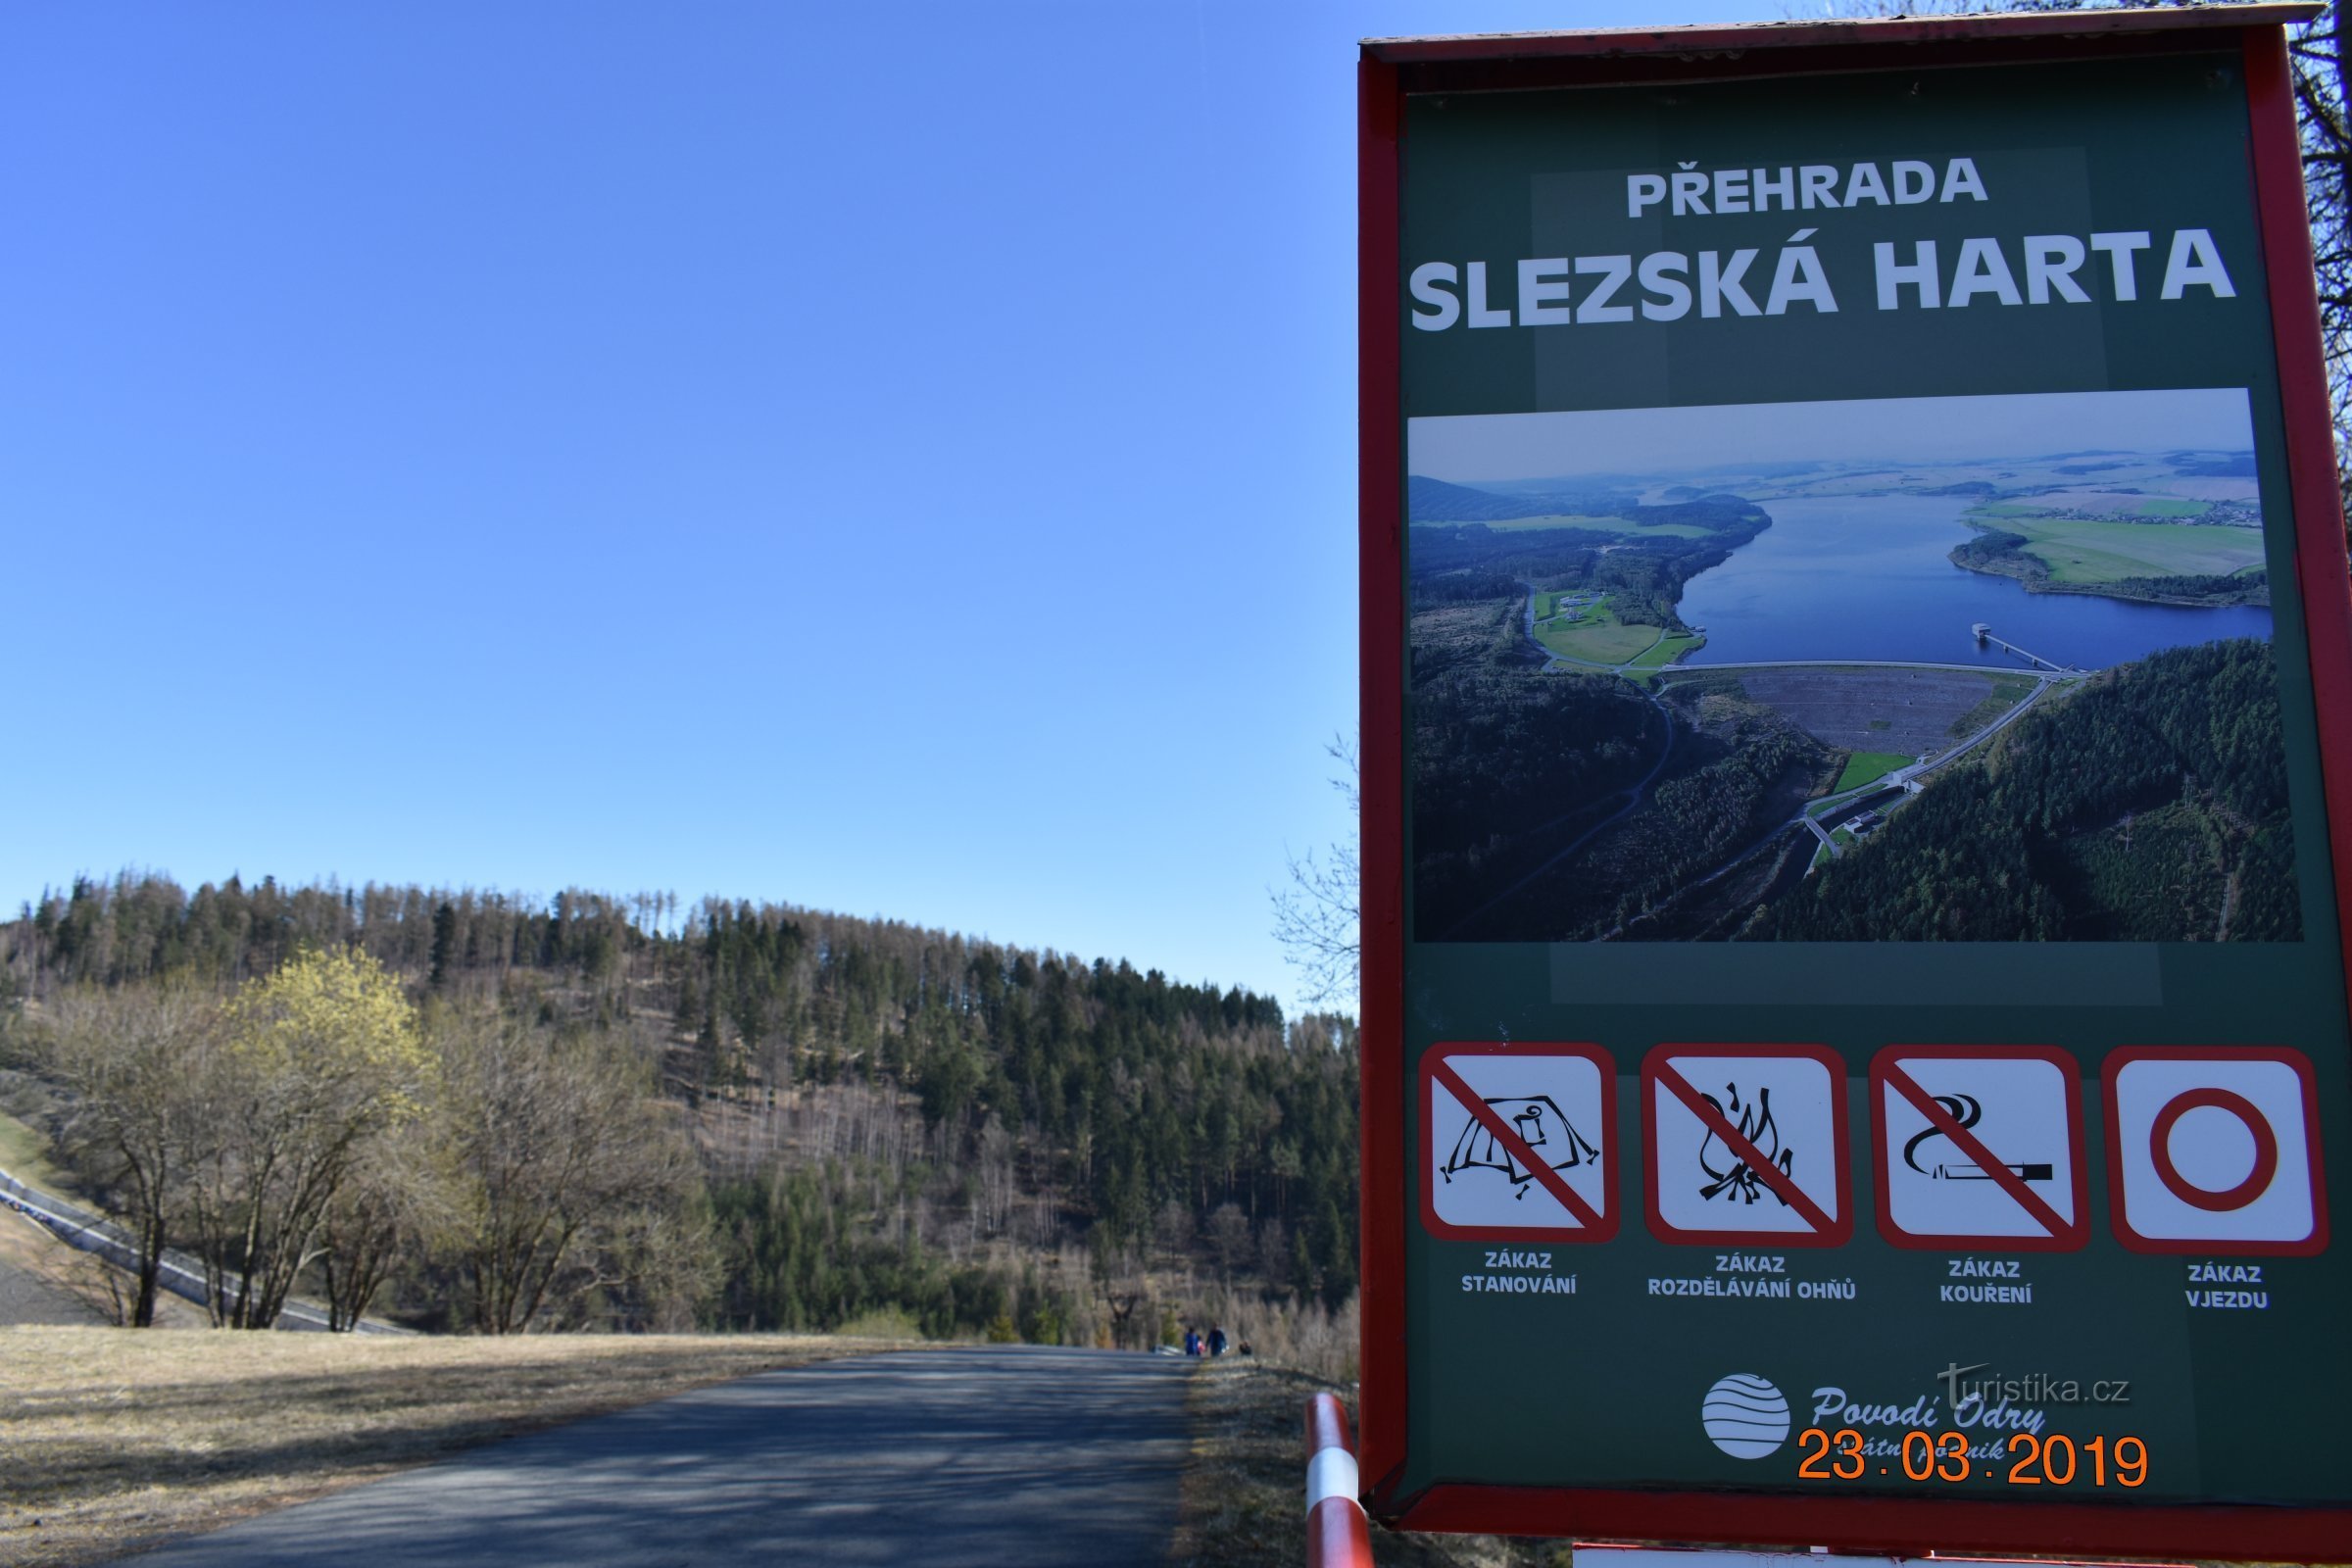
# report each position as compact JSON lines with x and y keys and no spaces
{"x":1746,"y":1416}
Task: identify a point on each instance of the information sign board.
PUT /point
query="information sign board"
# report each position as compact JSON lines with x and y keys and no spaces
{"x":1857,"y":763}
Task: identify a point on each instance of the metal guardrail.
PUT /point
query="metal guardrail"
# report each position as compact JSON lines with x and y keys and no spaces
{"x":179,"y":1274}
{"x":1338,"y":1533}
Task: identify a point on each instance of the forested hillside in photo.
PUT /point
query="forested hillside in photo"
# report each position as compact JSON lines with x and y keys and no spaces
{"x":885,"y":1122}
{"x":1471,"y":562}
{"x":1557,"y":795}
{"x":2150,"y":806}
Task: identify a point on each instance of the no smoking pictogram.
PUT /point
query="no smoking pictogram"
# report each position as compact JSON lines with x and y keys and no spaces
{"x":1978,"y":1146}
{"x":2213,"y":1150}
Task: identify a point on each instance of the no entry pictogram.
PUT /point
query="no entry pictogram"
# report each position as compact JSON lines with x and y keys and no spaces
{"x":1978,"y":1144}
{"x":2215,"y":1150}
{"x":1518,"y":1142}
{"x":1747,"y":1144}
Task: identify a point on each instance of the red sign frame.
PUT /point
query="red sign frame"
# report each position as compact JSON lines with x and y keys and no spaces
{"x":1655,"y":1073}
{"x":1389,"y":71}
{"x":2068,"y":1238}
{"x":1605,"y":1220}
{"x":2314,"y":1156}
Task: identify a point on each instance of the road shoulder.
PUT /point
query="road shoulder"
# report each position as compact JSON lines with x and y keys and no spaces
{"x":1245,"y":1482}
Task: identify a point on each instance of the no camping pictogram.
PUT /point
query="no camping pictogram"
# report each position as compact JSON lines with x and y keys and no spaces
{"x":2215,"y":1150}
{"x":1517,"y":1143}
{"x":1978,"y":1146}
{"x":1747,"y":1144}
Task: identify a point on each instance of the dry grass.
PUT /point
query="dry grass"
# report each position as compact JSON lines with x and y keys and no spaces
{"x":1244,"y":1482}
{"x":110,"y":1438}
{"x":24,"y":1153}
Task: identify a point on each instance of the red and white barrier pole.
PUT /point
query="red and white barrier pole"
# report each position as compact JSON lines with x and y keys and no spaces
{"x":1338,"y":1535}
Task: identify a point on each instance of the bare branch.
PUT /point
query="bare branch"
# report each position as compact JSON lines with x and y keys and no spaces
{"x":1318,"y":917}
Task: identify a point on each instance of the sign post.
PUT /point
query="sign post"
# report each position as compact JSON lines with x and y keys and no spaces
{"x":1857,"y":776}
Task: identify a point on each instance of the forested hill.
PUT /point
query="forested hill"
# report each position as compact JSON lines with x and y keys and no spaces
{"x":1435,"y":501}
{"x":2149,"y":806}
{"x":888,"y":1118}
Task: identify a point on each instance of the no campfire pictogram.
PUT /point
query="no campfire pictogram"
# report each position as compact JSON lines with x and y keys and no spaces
{"x":1978,"y":1144}
{"x":2215,"y":1150}
{"x":1747,"y":1144}
{"x":1519,"y":1142}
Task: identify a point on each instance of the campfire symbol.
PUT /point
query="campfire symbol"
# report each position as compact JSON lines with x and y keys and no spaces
{"x":1540,"y":1124}
{"x":1735,"y":1181}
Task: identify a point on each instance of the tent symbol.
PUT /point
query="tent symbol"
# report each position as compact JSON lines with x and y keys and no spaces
{"x":1540,"y":1124}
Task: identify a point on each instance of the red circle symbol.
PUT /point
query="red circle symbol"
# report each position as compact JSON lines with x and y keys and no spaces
{"x":2266,"y":1151}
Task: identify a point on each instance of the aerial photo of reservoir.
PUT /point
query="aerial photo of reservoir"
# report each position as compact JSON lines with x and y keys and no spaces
{"x":1992,"y":668}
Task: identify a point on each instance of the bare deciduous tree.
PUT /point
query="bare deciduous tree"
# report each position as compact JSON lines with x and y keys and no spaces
{"x":1228,"y":1239}
{"x":560,"y":1159}
{"x":1172,"y":1231}
{"x":2321,"y":56}
{"x":993,"y":1202}
{"x":395,"y":1198}
{"x":1273,"y":1249}
{"x":1318,"y":914}
{"x":129,"y":1059}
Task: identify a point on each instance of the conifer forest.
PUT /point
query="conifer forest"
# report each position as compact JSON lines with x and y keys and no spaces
{"x":766,"y":1117}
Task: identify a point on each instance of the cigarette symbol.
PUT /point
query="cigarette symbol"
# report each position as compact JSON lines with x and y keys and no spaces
{"x":1978,"y":1174}
{"x":1965,"y":1110}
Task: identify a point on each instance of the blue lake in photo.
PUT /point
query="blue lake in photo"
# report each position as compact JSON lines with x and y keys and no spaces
{"x":1869,"y":577}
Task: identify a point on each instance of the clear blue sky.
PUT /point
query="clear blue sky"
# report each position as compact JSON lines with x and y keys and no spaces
{"x":1469,"y":448}
{"x":891,"y":460}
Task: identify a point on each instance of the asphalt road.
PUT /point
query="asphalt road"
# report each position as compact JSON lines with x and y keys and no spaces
{"x":1006,"y":1454}
{"x":28,"y":1298}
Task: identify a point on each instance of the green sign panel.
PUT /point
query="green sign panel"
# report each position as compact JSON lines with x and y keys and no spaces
{"x":1869,"y":1000}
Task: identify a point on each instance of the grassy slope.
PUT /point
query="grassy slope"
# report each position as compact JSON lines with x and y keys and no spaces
{"x":2088,"y":553}
{"x":1597,"y":638}
{"x":1863,"y":766}
{"x":1668,"y":649}
{"x":22,"y":1154}
{"x":2007,"y":692}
